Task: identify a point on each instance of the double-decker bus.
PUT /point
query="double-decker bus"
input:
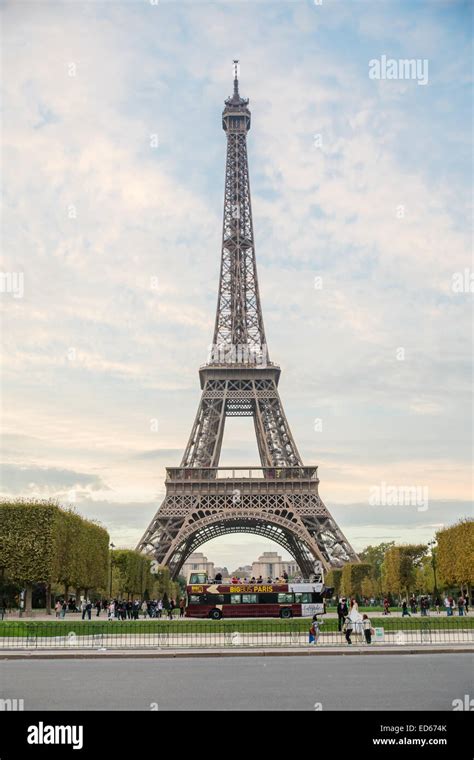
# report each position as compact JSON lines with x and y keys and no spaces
{"x":205,"y":599}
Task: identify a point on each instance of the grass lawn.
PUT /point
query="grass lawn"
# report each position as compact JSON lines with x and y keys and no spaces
{"x":186,"y":625}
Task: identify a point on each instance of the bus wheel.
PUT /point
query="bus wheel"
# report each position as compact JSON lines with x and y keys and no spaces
{"x":286,"y":613}
{"x":215,"y":614}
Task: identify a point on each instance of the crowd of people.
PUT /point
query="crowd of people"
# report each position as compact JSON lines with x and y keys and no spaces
{"x":123,"y":609}
{"x":422,"y":604}
{"x":427,"y":603}
{"x":260,"y":579}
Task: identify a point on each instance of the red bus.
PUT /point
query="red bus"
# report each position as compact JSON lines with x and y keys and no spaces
{"x":251,"y":599}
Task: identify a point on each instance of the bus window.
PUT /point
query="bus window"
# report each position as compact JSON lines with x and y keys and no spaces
{"x":212,"y":598}
{"x":249,"y":598}
{"x":194,"y":599}
{"x":304,"y":598}
{"x":198,"y":579}
{"x":267,"y":598}
{"x":235,"y":598}
{"x":285,"y":598}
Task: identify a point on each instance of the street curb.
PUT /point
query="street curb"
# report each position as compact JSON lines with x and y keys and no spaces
{"x":177,"y":654}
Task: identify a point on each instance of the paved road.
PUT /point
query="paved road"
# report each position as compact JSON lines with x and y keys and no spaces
{"x":398,"y":682}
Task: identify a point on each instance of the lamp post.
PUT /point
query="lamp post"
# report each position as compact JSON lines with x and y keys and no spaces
{"x":112,"y":546}
{"x":433,"y":562}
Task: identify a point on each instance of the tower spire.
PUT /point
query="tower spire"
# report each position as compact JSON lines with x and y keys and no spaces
{"x":236,"y":78}
{"x":239,"y":335}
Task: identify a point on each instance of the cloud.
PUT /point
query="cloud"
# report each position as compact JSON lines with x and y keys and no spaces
{"x":119,"y":241}
{"x":17,"y":479}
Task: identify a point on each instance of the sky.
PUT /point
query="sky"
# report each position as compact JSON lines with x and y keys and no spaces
{"x":113,"y":176}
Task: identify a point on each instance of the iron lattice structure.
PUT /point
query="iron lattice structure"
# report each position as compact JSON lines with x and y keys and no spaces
{"x":280,"y":499}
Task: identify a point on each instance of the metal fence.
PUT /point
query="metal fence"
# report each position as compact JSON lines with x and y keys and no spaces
{"x":190,"y":634}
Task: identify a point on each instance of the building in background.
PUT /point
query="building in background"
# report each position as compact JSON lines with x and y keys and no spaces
{"x":197,"y":563}
{"x":242,"y":572}
{"x":271,"y":565}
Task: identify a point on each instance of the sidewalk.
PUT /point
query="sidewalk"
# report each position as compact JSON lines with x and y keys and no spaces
{"x":103,"y":616}
{"x":309,"y":651}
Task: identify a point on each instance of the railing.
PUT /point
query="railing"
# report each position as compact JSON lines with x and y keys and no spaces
{"x":239,"y":473}
{"x":249,"y":633}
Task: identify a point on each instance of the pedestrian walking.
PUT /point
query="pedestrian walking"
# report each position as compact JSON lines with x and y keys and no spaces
{"x":405,"y":612}
{"x":58,"y":607}
{"x":98,"y":607}
{"x":315,"y":630}
{"x":348,"y":627}
{"x":182,"y":605}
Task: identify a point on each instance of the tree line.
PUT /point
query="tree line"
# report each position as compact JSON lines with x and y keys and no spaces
{"x":400,"y":570}
{"x":42,"y":543}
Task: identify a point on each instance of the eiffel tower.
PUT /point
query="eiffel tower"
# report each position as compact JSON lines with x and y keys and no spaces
{"x":279,"y":500}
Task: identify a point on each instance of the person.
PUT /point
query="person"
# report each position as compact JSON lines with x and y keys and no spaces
{"x":424,"y":606}
{"x":218,"y":577}
{"x":342,"y":612}
{"x":144,"y":609}
{"x":63,"y":608}
{"x":386,"y":607}
{"x":447,"y":604}
{"x":405,"y":612}
{"x":171,"y":607}
{"x":354,"y":614}
{"x":367,"y":627}
{"x":466,"y":601}
{"x":285,"y":577}
{"x":159,"y":608}
{"x":413,"y":604}
{"x":259,"y":579}
{"x":461,"y":605}
{"x":98,"y":607}
{"x":437,"y":604}
{"x":348,"y":626}
{"x":111,"y":610}
{"x":181,"y":607}
{"x":314,"y":631}
{"x":58,"y":607}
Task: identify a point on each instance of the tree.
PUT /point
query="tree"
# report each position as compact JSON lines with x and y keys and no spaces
{"x":42,"y":543}
{"x":455,"y":555}
{"x":353,"y":573}
{"x":400,"y":566}
{"x":375,"y":555}
{"x":131,"y":573}
{"x":333,"y":580}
